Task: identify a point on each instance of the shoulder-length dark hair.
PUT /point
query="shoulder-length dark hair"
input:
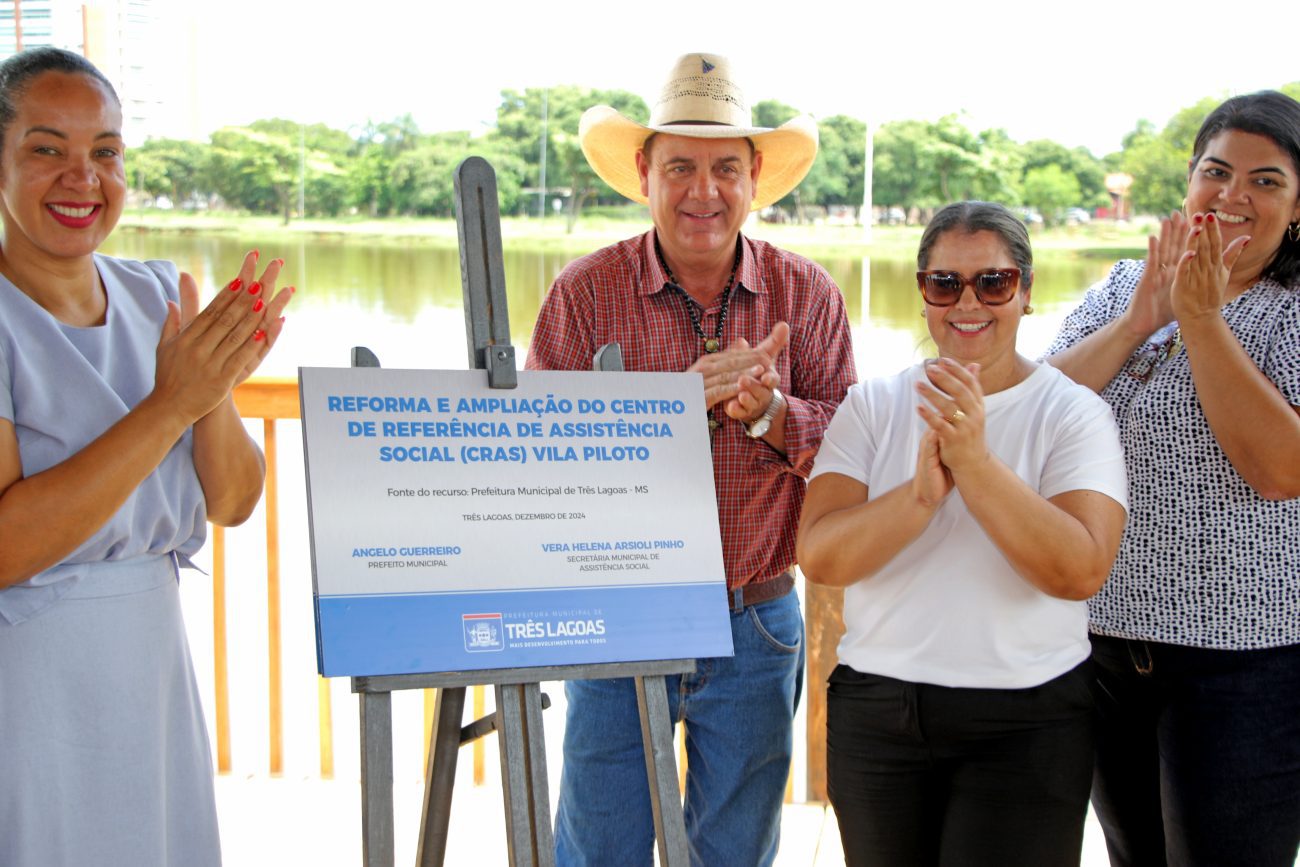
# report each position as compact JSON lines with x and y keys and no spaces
{"x":1277,"y":117}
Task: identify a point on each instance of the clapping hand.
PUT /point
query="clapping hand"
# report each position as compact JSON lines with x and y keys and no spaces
{"x":203,"y":354}
{"x":1150,"y":307}
{"x":1201,"y":277}
{"x":742,"y":377}
{"x":953,"y":408}
{"x":932,"y":481}
{"x":754,"y":392}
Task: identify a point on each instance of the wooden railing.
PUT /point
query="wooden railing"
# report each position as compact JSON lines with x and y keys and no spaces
{"x":272,"y":400}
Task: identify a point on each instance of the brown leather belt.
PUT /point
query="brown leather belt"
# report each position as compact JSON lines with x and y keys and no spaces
{"x":752,"y":594}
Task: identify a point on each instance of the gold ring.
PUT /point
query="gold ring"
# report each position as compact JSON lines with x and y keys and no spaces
{"x":957,"y":415}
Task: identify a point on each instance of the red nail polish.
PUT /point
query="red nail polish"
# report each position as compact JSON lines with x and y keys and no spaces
{"x":280,"y":262}
{"x":1209,"y":218}
{"x":292,"y":290}
{"x":256,"y":254}
{"x":255,"y":288}
{"x":258,"y":305}
{"x":235,"y":285}
{"x":1196,"y":219}
{"x":259,"y":334}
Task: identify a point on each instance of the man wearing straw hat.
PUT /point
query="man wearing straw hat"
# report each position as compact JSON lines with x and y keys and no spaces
{"x":768,"y":331}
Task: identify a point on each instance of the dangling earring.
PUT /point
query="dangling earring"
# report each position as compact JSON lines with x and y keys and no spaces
{"x":1029,"y":308}
{"x":922,"y":312}
{"x":1293,"y":232}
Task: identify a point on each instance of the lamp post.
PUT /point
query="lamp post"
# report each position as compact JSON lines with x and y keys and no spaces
{"x":541,"y":182}
{"x":302,"y":171}
{"x":868,"y":156}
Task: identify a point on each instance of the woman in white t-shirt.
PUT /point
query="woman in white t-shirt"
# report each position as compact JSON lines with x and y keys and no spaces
{"x":969,"y":506}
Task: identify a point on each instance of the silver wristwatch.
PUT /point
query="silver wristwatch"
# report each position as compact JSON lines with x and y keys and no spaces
{"x":763,"y":423}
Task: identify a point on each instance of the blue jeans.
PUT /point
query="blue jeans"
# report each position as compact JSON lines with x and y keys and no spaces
{"x":738,"y":714}
{"x":1198,"y":754}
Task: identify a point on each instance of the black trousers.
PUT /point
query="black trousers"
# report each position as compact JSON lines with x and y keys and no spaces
{"x":930,"y":775}
{"x":1198,"y":754}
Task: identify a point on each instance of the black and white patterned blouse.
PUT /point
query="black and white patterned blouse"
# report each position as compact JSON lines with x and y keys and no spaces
{"x":1205,"y":560}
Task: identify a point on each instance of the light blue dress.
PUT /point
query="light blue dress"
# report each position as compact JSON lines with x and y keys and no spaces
{"x":104,"y":757}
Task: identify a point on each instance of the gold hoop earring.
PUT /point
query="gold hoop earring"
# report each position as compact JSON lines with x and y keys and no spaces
{"x":1293,"y":232}
{"x":1029,"y":308}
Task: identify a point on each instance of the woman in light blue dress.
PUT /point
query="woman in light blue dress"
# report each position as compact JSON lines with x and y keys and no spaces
{"x":119,"y":440}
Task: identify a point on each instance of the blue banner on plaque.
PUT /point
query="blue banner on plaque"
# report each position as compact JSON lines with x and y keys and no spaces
{"x":456,"y":527}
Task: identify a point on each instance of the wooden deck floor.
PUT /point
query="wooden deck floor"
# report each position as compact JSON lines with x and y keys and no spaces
{"x":272,"y":822}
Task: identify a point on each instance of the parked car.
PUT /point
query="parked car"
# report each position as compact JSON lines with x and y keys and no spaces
{"x":1077,"y":216}
{"x":891,"y":216}
{"x":1030,"y":216}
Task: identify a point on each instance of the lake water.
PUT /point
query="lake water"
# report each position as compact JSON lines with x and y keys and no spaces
{"x":403,"y":299}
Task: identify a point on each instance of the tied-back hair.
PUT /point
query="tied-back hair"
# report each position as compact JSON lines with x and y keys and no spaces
{"x":17,"y":73}
{"x":973,"y":216}
{"x":1275,"y":116}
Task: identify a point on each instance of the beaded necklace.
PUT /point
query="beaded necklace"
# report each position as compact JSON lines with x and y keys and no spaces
{"x":714,"y":343}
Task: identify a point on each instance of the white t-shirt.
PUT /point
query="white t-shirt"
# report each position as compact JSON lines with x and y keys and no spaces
{"x":949,"y":609}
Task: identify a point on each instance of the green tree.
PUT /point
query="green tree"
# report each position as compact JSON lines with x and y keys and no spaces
{"x":1180,"y":131}
{"x":369,"y":172}
{"x":314,"y":137}
{"x":951,"y":154}
{"x":325,"y":188}
{"x":519,"y":122}
{"x":839,"y":174}
{"x":1001,"y":166}
{"x":254,"y":171}
{"x":923,"y":165}
{"x":173,"y":168}
{"x":897,"y":167}
{"x":261,"y":170}
{"x":1158,"y":160}
{"x":1158,"y":168}
{"x":1050,"y":190}
{"x":423,"y":176}
{"x":369,"y":181}
{"x":772,"y":113}
{"x":1087,"y":170}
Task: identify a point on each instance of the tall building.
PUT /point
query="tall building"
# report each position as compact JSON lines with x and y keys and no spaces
{"x":133,"y":42}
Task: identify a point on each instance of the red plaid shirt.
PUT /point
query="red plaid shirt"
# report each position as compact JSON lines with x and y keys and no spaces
{"x":619,"y":294}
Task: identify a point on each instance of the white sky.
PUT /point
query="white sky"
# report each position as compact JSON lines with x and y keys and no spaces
{"x":1081,"y":73}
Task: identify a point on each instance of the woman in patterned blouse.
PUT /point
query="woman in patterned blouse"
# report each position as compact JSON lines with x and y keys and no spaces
{"x":1197,"y":632}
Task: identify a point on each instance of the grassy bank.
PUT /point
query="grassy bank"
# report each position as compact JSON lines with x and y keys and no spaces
{"x":1102,"y":239}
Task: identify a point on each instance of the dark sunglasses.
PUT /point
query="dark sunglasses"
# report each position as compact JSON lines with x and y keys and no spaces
{"x":992,"y":286}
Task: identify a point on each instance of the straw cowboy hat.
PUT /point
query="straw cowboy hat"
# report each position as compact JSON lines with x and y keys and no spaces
{"x":699,"y":100}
